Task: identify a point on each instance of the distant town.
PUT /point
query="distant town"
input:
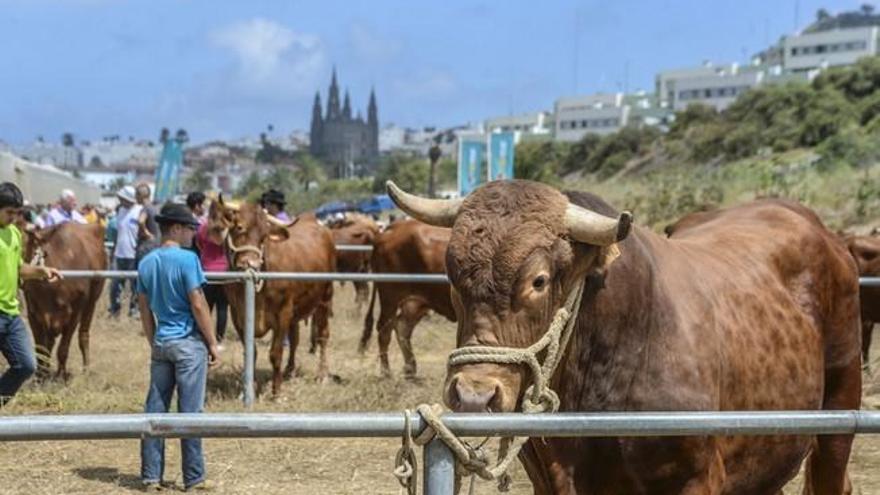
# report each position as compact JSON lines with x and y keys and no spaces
{"x":350,"y":143}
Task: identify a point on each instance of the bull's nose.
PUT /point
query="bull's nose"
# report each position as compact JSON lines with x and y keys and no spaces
{"x":472,"y":399}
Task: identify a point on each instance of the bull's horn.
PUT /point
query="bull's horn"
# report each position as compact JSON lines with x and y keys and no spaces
{"x":438,"y":212}
{"x":280,"y":223}
{"x":233,"y":205}
{"x":592,"y":228}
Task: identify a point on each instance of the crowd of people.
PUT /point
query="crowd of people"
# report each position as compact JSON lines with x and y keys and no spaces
{"x":171,"y":249}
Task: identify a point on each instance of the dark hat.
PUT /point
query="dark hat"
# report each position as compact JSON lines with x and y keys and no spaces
{"x":273,"y":196}
{"x":195,"y":198}
{"x":172,"y":213}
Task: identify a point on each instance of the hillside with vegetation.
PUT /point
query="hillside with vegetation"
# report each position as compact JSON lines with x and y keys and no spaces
{"x":816,"y":142}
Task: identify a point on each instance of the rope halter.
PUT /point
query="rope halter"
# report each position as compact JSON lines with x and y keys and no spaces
{"x":537,"y":398}
{"x":248,"y":248}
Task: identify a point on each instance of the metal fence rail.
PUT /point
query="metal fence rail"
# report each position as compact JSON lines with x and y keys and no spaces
{"x":339,"y":247}
{"x":438,"y":469}
{"x":365,"y":425}
{"x":249,"y":280}
{"x":250,"y":295}
{"x":354,"y":247}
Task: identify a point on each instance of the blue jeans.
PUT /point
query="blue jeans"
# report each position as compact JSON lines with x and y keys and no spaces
{"x":16,"y":348}
{"x":118,"y":285}
{"x":182,"y":363}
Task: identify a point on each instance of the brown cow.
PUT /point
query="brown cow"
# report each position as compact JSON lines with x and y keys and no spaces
{"x":407,"y":246}
{"x":257,"y":241}
{"x":59,"y":309}
{"x":355,"y":230}
{"x":866,"y":251}
{"x":755,"y":309}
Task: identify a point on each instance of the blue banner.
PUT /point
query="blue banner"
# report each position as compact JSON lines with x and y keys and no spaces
{"x":470,"y":164}
{"x":168,"y":172}
{"x":501,"y":148}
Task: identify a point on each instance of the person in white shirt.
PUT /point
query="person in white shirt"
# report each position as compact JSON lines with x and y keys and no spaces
{"x":125,"y":249}
{"x":65,"y":211}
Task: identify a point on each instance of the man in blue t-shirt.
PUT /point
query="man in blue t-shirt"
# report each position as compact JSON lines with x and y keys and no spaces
{"x":177,"y":323}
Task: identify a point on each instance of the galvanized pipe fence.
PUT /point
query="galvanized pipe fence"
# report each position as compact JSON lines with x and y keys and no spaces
{"x":339,"y":247}
{"x":250,"y":279}
{"x":439,"y":462}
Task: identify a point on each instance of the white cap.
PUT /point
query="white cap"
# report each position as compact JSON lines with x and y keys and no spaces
{"x":127,"y":193}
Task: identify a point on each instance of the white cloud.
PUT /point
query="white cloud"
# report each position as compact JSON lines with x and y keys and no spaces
{"x":271,"y":58}
{"x":371,"y":46}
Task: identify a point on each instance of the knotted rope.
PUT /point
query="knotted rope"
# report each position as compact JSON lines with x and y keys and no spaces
{"x":538,"y":397}
{"x":39,"y":258}
{"x":258,"y":282}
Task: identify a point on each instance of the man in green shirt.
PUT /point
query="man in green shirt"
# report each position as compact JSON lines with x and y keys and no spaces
{"x":14,"y":342}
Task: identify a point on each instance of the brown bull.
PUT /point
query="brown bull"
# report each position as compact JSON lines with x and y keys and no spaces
{"x":62,"y":308}
{"x":257,"y":242}
{"x":406,"y":246}
{"x":754,"y":309}
{"x":355,"y":230}
{"x":866,"y":251}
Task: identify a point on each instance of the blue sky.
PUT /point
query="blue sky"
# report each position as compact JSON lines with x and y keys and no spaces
{"x":224,"y":69}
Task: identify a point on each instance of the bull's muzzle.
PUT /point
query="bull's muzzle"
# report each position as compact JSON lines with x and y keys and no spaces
{"x":468,"y":393}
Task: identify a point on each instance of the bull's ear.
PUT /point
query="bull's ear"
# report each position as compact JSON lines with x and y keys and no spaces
{"x":278,"y":233}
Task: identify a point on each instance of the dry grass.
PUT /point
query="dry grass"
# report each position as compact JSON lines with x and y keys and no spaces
{"x":117,"y":383}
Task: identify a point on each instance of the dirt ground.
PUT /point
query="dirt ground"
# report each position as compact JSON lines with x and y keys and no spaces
{"x":117,"y":382}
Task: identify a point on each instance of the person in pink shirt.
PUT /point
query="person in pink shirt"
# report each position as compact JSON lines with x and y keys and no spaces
{"x":213,"y":259}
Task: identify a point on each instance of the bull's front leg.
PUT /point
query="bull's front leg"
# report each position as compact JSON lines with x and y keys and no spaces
{"x":64,"y":351}
{"x":279,"y":328}
{"x":293,"y":339}
{"x":321,"y":329}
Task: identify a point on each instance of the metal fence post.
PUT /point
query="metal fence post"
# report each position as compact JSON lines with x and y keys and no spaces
{"x":439,"y":470}
{"x":249,"y":310}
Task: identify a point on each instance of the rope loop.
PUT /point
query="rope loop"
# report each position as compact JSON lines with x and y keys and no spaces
{"x":405,"y":463}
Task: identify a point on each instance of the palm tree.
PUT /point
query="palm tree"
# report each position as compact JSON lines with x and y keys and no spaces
{"x":434,"y":155}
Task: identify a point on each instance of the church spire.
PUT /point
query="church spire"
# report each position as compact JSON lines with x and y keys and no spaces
{"x":373,"y":109}
{"x":315,"y":135}
{"x":333,"y":98}
{"x":346,"y":107}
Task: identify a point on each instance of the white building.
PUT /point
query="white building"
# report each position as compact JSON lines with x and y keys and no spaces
{"x":823,"y":49}
{"x":600,"y":113}
{"x":41,"y":183}
{"x":103,"y":178}
{"x":50,"y":154}
{"x":391,"y":137}
{"x":528,"y":123}
{"x":109,"y":153}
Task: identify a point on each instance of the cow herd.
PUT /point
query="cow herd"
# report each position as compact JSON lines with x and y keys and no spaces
{"x":755,"y":307}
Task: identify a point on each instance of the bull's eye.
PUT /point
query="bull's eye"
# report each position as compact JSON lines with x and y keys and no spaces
{"x":539,"y":283}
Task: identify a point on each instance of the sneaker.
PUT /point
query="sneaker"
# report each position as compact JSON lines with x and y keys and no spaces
{"x":201,"y":486}
{"x":153,"y":486}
